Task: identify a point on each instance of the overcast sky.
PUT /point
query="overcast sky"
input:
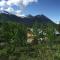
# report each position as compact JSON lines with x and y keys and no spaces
{"x":50,"y":8}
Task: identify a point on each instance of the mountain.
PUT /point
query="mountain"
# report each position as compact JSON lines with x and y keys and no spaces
{"x":29,"y":20}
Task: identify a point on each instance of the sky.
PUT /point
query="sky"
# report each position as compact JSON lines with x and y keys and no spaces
{"x":50,"y":8}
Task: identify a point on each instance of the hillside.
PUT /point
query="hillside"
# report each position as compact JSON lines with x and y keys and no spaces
{"x":29,"y":20}
{"x":14,"y":38}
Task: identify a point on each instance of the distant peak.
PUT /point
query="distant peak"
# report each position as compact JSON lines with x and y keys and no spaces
{"x":29,"y":16}
{"x":38,"y":16}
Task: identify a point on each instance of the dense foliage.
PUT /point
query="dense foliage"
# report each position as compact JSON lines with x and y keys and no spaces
{"x":13,"y":42}
{"x":13,"y":38}
{"x":59,"y":27}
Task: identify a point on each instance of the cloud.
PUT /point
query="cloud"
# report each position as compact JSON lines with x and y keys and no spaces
{"x":20,"y":2}
{"x":7,"y":5}
{"x":18,"y":12}
{"x":25,"y":2}
{"x":10,"y":9}
{"x":2,"y":3}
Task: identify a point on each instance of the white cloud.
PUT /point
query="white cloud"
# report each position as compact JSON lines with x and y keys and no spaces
{"x":26,"y":2}
{"x":10,"y":9}
{"x":22,"y":15}
{"x":18,"y":13}
{"x":7,"y":5}
{"x":2,"y":3}
{"x":1,"y":8}
{"x":20,"y":2}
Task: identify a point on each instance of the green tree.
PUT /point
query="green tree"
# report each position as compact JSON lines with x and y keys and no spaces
{"x":59,"y":27}
{"x":12,"y":37}
{"x":50,"y":32}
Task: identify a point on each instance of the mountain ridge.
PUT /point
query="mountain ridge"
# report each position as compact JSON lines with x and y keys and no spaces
{"x":26,"y":20}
